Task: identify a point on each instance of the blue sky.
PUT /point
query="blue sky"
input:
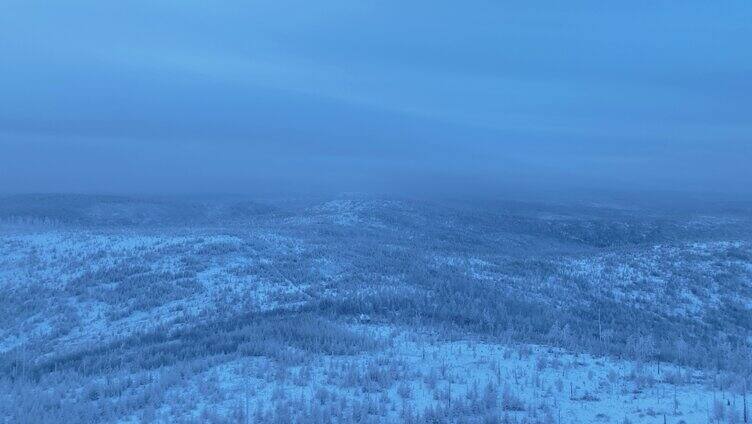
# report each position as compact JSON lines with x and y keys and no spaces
{"x":236,"y":96}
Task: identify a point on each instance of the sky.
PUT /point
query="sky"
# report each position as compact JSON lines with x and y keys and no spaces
{"x":248,"y":96}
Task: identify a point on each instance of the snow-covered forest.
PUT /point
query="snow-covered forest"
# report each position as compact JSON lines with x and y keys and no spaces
{"x":375,"y":310}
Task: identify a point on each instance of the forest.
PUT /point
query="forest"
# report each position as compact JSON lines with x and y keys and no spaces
{"x":359,"y":308}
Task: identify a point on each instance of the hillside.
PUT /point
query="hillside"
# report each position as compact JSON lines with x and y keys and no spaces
{"x":226,"y":309}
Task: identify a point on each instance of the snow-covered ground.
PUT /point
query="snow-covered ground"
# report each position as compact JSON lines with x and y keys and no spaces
{"x":417,"y":375}
{"x":376,"y":311}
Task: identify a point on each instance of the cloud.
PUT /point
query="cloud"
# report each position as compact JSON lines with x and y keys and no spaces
{"x":501,"y":92}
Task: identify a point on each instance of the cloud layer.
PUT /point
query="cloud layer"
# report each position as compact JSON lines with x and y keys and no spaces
{"x":239,"y":96}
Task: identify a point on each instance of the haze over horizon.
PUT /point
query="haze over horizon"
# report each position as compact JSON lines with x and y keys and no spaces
{"x":245,"y":97}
